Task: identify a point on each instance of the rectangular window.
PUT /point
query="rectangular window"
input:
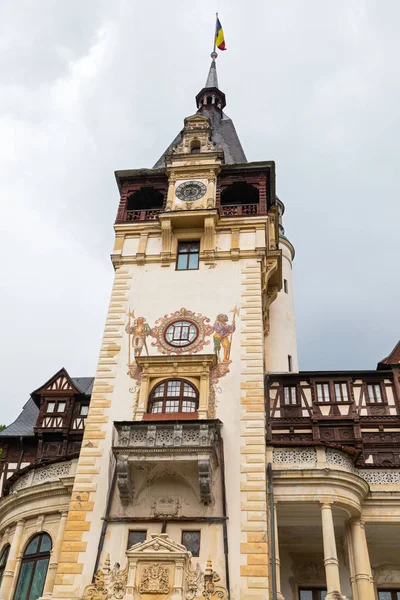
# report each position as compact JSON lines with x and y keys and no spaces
{"x":285,"y":286}
{"x":84,"y":410}
{"x":50,"y":407}
{"x":289,"y":362}
{"x":136,"y":536}
{"x":191,"y":540}
{"x":389,"y":594}
{"x":313,"y":594}
{"x":374,"y":393}
{"x":341,"y":394}
{"x":188,"y":256}
{"x":289,"y":395}
{"x":323,"y":392}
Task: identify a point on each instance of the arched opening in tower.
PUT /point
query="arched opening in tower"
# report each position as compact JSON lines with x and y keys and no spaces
{"x":144,"y":199}
{"x":240,"y":193}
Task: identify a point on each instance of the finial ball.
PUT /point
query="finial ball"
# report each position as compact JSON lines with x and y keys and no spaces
{"x":214,"y":55}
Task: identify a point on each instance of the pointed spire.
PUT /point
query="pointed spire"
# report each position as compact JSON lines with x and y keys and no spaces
{"x":212,"y":79}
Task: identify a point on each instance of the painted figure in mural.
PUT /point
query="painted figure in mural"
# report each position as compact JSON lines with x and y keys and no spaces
{"x":223,"y":336}
{"x":138,"y":330}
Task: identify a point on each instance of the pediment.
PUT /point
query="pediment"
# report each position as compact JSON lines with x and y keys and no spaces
{"x":159,"y":544}
{"x":197,"y":122}
{"x":60,"y":382}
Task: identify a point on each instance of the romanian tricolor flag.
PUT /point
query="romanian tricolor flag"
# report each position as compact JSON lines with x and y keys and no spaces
{"x":219,"y":36}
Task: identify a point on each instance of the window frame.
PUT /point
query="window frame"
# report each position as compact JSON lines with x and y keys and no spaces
{"x":394,"y":592}
{"x":3,"y":559}
{"x":165,"y":398}
{"x":56,"y":402}
{"x":332,"y":395}
{"x":373,"y":402}
{"x":144,"y":531}
{"x":187,"y":254}
{"x":296,"y":396}
{"x":314,"y":591}
{"x":184,"y":531}
{"x":182,"y":320}
{"x":34,"y":558}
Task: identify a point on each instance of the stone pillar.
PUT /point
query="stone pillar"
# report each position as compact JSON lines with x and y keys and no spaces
{"x":55,"y":555}
{"x":363,"y":574}
{"x":277,"y":559}
{"x":330,"y":555}
{"x":9,"y":571}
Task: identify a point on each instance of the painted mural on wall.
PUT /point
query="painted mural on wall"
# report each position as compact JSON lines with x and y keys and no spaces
{"x":182,"y":332}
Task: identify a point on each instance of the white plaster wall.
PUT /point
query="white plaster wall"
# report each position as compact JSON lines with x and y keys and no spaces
{"x":156,"y":291}
{"x":281,"y":340}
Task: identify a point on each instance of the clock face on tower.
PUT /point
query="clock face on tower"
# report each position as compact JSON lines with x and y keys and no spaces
{"x":190,"y":190}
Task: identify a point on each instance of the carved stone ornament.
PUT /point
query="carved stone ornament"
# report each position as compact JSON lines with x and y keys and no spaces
{"x":166,"y":507}
{"x":162,"y":324}
{"x":155,"y":579}
{"x":387,"y":574}
{"x":211,"y":589}
{"x":109,"y":584}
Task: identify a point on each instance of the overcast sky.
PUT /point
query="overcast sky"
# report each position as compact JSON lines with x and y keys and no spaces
{"x":91,"y":86}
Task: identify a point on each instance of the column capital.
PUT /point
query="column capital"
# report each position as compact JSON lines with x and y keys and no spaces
{"x":326,"y":504}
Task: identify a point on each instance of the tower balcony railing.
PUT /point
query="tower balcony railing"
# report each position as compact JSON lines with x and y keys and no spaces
{"x":239,"y":210}
{"x":150,"y":214}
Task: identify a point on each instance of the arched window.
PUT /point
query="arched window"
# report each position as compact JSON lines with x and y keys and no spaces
{"x":195,"y":147}
{"x":240,"y":192}
{"x":145,"y":198}
{"x":173,"y":396}
{"x":32,"y":574}
{"x":3,"y":560}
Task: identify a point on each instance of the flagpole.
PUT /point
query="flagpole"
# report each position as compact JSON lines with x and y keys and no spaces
{"x":215,"y":33}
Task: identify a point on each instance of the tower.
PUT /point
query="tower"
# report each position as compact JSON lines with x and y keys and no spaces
{"x":173,"y":456}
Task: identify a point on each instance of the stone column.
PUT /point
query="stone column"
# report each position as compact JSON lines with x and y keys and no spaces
{"x":277,"y":559}
{"x":330,"y":555}
{"x":9,"y":571}
{"x":361,"y":561}
{"x":55,"y":555}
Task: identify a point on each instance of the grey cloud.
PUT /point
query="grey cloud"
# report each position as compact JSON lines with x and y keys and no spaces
{"x":90,"y":87}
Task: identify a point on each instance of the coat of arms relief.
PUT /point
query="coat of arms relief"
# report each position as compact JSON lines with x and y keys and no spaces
{"x":151,"y":570}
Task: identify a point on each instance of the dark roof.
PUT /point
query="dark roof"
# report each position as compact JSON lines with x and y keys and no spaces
{"x":24,"y":423}
{"x":223,"y":133}
{"x":26,"y":420}
{"x":391,"y":360}
{"x":83,"y":384}
{"x":223,"y":129}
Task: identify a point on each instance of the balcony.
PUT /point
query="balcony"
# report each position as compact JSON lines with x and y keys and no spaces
{"x":129,"y":216}
{"x":192,"y":444}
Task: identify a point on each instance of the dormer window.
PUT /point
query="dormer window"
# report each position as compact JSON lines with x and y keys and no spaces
{"x":195,"y":147}
{"x":173,"y":396}
{"x":54,"y":413}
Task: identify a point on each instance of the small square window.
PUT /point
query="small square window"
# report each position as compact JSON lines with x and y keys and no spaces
{"x":136,"y":536}
{"x":50,"y":407}
{"x":188,"y":256}
{"x":191,"y":540}
{"x":84,"y":410}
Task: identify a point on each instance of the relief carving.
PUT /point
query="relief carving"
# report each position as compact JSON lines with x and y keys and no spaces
{"x":155,"y":579}
{"x":109,"y":584}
